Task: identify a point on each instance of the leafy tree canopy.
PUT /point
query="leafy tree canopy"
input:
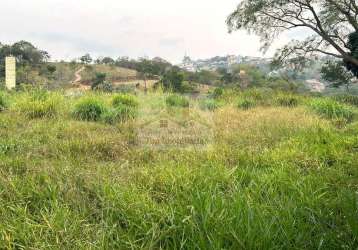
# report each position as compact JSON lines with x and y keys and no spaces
{"x":26,"y":55}
{"x":330,"y":23}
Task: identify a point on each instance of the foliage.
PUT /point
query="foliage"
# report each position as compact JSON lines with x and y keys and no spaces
{"x":331,"y":109}
{"x":202,"y":76}
{"x":27,"y":56}
{"x":39,"y":103}
{"x":177,"y":101}
{"x":273,"y":178}
{"x":51,"y":69}
{"x":287,"y":100}
{"x":336,"y":73}
{"x":329,"y":23}
{"x":246,"y":104}
{"x":347,"y":99}
{"x":105,"y":60}
{"x":3,"y":101}
{"x":99,"y":78}
{"x":154,"y":67}
{"x":173,"y":80}
{"x":106,"y":87}
{"x":86,"y":59}
{"x":352,"y":45}
{"x":120,"y":113}
{"x":209,"y":104}
{"x":217,"y":93}
{"x":125,"y":100}
{"x":89,"y":109}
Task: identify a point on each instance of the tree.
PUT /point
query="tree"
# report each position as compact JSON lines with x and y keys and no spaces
{"x":27,"y":56}
{"x":107,"y":60}
{"x":336,"y":73}
{"x":173,"y":79}
{"x":86,"y":59}
{"x":353,"y":47}
{"x":330,"y":23}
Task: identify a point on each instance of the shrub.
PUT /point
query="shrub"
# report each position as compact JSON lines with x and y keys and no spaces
{"x":106,"y":87}
{"x":209,"y":104}
{"x":218,"y":92}
{"x":177,"y":101}
{"x":98,"y":79}
{"x":40,"y":104}
{"x":125,"y":100}
{"x":331,"y":109}
{"x":89,"y":109}
{"x":287,"y":101}
{"x":3,"y":102}
{"x":120,"y":113}
{"x":246,"y":104}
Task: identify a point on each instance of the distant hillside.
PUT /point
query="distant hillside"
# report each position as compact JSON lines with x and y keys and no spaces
{"x":113,"y":73}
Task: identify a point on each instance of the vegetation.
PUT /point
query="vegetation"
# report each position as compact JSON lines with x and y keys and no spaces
{"x":332,"y":24}
{"x":246,"y":104}
{"x":3,"y":102}
{"x":39,"y":104}
{"x":89,"y":109}
{"x":332,"y":109}
{"x":125,"y":100}
{"x":177,"y":101}
{"x":209,"y":104}
{"x":275,"y":177}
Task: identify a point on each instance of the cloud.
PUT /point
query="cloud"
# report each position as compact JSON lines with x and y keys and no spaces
{"x":165,"y":28}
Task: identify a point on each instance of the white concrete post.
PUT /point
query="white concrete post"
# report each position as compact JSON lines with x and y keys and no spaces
{"x":10,"y":72}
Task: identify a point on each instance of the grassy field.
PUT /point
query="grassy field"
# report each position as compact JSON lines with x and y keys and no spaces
{"x":272,"y":171}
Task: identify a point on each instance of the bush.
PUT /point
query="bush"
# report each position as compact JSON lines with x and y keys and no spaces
{"x":106,"y":87}
{"x":177,"y":101}
{"x":89,"y":109}
{"x":246,"y":104}
{"x":331,"y":109}
{"x":218,"y":92}
{"x":125,"y":100}
{"x":40,"y":104}
{"x":3,"y":102}
{"x":287,"y":101}
{"x":119,"y":114}
{"x":209,"y":104}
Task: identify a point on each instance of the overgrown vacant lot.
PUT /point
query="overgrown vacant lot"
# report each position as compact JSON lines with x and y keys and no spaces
{"x":281,"y":172}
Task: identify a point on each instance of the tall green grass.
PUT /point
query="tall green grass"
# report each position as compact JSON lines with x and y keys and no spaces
{"x":331,"y":109}
{"x":177,"y":101}
{"x":89,"y":109}
{"x":3,"y":101}
{"x":39,"y":104}
{"x":272,"y":178}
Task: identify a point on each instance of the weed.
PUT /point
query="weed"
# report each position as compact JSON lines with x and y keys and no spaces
{"x":209,"y":104}
{"x":246,"y":104}
{"x":89,"y":109}
{"x":177,"y":101}
{"x":331,"y":109}
{"x":287,"y":100}
{"x":125,"y":100}
{"x":3,"y":102}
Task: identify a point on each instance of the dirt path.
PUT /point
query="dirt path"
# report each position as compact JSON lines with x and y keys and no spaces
{"x":78,"y":76}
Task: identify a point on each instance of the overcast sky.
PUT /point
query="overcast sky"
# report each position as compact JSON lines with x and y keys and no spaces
{"x":134,"y":28}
